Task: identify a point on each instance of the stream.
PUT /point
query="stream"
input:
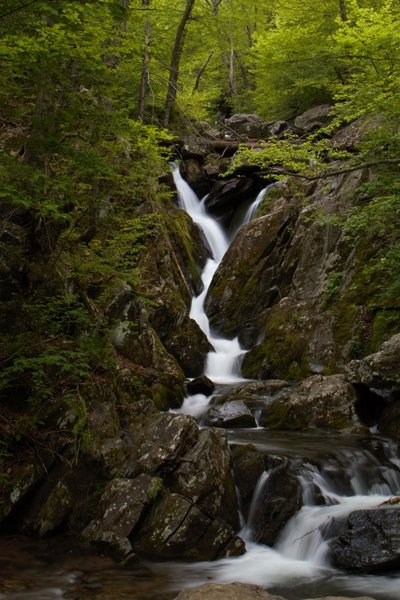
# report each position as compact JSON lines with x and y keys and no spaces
{"x":338,"y":474}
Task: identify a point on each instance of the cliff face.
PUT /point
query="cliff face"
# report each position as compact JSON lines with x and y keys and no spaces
{"x":286,"y":286}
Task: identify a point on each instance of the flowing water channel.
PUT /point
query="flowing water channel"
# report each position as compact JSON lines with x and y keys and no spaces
{"x":338,"y":474}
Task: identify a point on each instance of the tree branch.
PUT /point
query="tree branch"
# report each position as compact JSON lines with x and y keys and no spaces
{"x":366,"y":165}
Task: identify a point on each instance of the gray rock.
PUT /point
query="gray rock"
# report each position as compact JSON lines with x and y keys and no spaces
{"x":121,"y":506}
{"x":371,"y":541}
{"x":317,"y":403}
{"x":231,"y":414}
{"x":175,"y":528}
{"x":204,"y":477}
{"x":378,"y":370}
{"x":165,"y":440}
{"x":313,"y":118}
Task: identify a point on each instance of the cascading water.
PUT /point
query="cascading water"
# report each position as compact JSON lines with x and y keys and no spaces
{"x":333,"y":485}
{"x":223,"y":364}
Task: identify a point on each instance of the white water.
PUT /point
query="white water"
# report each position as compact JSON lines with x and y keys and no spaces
{"x":251,"y":211}
{"x":298,"y":566}
{"x":223,"y":364}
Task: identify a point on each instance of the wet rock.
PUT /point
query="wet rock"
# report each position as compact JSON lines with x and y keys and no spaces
{"x":248,"y":466}
{"x":200,"y":385}
{"x":204,"y":476}
{"x":230,"y":414}
{"x":389,"y":423}
{"x":278,"y":501}
{"x":193,"y":173}
{"x":165,"y":440}
{"x":371,"y":542}
{"x":314,"y":118}
{"x":188,"y":344}
{"x":175,"y":528}
{"x":227,"y":194}
{"x":254,"y":395}
{"x":247,"y":272}
{"x":231,"y":591}
{"x":317,"y":403}
{"x":121,"y":506}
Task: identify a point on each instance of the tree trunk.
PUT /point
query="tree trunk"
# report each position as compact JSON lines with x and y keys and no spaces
{"x":343,"y":11}
{"x":145,"y":76}
{"x":175,"y":60}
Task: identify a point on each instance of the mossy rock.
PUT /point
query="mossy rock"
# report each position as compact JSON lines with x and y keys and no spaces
{"x":284,"y":352}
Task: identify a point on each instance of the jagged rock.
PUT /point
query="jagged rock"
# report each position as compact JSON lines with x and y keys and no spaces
{"x":200,"y":385}
{"x":164,"y":441}
{"x":230,"y":414}
{"x":120,"y":508}
{"x":176,"y":528}
{"x":204,"y":477}
{"x":279,"y":500}
{"x":371,"y":542}
{"x":317,"y":403}
{"x":231,"y":591}
{"x":378,"y":370}
{"x":314,"y":118}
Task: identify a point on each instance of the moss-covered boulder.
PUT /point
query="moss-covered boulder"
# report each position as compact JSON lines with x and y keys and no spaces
{"x":245,"y":281}
{"x":319,"y":402}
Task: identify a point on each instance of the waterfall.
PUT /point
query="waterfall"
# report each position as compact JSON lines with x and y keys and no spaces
{"x":223,"y":363}
{"x":254,"y":205}
{"x":298,"y":564}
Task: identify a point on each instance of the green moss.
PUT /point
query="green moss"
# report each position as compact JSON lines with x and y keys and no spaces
{"x":283,"y":353}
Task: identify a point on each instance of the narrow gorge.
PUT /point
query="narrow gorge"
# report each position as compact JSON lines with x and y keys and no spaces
{"x":247,"y":429}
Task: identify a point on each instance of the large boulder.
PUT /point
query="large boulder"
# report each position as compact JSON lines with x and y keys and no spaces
{"x":293,"y":287}
{"x":378,"y":370}
{"x":317,"y":403}
{"x":230,"y":414}
{"x":371,"y":541}
{"x":245,"y":281}
{"x":176,"y":528}
{"x":313,"y":118}
{"x":204,"y":476}
{"x":278,"y":500}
